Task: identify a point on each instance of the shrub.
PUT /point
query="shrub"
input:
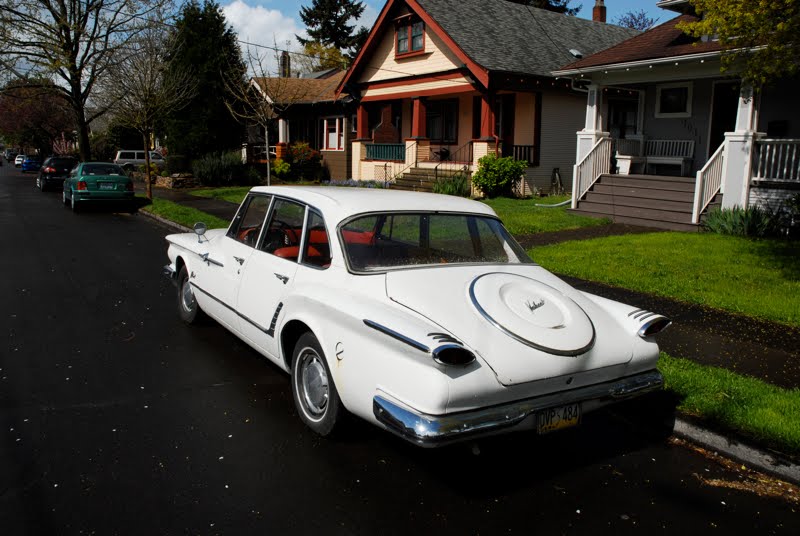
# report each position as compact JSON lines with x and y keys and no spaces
{"x":355,"y":184}
{"x":753,"y":221}
{"x":458,"y":184}
{"x":218,"y":168}
{"x":280,"y":168}
{"x":252,"y":175}
{"x":496,"y":176}
{"x":178,"y":163}
{"x":305,"y":162}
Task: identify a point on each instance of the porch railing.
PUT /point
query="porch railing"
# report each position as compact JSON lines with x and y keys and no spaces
{"x":526,"y":153}
{"x":586,"y":172}
{"x":628,"y":147}
{"x":386,"y":151}
{"x":391,"y":169}
{"x":708,"y":183}
{"x":777,"y":160}
{"x":458,"y":160}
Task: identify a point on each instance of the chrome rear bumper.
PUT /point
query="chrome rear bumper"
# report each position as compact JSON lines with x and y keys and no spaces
{"x":437,"y":430}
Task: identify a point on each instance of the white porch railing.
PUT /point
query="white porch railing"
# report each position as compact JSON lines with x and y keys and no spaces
{"x":777,"y":160}
{"x":597,"y":162}
{"x":629,"y":147}
{"x":709,"y":182}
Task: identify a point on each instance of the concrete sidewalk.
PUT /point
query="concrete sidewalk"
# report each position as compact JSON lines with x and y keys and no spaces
{"x":747,"y":346}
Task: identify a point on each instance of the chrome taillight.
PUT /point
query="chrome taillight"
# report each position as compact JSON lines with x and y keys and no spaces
{"x":654,"y":325}
{"x":453,"y":355}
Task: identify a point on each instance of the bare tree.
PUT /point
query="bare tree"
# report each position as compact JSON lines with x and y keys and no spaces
{"x":636,"y":20}
{"x":74,"y":40}
{"x":265,"y":97}
{"x":141,"y":89}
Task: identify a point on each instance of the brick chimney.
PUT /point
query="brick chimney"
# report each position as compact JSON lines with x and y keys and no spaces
{"x":285,"y":67}
{"x":599,"y":11}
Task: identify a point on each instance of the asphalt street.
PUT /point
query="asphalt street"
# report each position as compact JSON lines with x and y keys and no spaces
{"x":118,"y":419}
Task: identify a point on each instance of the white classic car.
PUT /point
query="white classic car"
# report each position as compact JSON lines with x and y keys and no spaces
{"x":417,"y":312}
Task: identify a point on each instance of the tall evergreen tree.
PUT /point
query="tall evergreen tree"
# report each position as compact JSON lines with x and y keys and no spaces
{"x":205,"y":46}
{"x":559,"y":6}
{"x":327,"y":23}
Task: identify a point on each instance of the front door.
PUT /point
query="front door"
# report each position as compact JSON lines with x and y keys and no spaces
{"x":723,"y":113}
{"x":504,"y":117}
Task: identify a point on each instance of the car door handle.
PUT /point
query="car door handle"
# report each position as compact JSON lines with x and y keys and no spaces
{"x":240,"y":260}
{"x":282,"y":278}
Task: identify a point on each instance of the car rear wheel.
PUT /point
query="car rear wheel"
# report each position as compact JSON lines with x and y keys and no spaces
{"x":41,"y":184}
{"x":73,"y":203}
{"x":64,"y":198}
{"x":188,"y":309}
{"x":315,"y":395}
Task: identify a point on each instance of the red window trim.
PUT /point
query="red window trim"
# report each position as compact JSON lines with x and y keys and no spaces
{"x":407,"y":25}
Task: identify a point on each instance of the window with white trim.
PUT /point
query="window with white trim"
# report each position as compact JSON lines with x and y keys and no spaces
{"x":333,"y":133}
{"x":674,"y":100}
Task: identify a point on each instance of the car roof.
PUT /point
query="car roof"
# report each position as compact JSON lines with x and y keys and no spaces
{"x":338,"y":203}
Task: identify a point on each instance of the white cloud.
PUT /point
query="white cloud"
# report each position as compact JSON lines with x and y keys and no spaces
{"x":367,"y":18}
{"x":262,"y":26}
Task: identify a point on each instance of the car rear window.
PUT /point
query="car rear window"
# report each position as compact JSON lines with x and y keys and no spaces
{"x":102,"y":169}
{"x":63,"y":162}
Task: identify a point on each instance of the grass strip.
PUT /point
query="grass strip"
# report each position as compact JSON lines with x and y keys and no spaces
{"x":232,"y":194}
{"x":758,"y":278}
{"x":767,"y":414}
{"x":183,"y":215}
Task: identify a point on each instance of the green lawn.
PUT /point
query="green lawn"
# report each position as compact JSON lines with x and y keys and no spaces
{"x":232,"y":194}
{"x":767,"y":414}
{"x":183,"y":215}
{"x":759,"y":278}
{"x":521,"y":217}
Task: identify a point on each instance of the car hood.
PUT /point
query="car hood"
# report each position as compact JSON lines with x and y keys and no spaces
{"x":522,"y":321}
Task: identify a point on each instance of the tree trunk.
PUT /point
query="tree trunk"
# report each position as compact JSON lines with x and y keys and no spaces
{"x":84,"y":148}
{"x":147,"y":182}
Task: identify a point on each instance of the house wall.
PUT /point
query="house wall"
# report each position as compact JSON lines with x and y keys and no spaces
{"x":694,"y":128}
{"x":337,"y":163}
{"x":384,"y":66}
{"x":563,"y":114}
{"x":773,"y":197}
{"x":778,"y":104}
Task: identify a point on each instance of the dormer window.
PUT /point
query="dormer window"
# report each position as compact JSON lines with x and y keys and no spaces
{"x":410,"y":38}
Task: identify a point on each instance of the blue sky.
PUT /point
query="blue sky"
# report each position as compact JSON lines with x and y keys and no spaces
{"x":268,"y":22}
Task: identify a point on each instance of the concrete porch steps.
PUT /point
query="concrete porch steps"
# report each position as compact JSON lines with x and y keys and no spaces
{"x":419,"y":179}
{"x":648,"y":200}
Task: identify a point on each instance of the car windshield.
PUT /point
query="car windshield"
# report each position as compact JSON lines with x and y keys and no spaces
{"x":63,"y":162}
{"x":102,"y":169}
{"x":377,"y":242}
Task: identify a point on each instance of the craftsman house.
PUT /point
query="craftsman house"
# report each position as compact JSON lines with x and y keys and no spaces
{"x":441,"y":83}
{"x":308,"y":110}
{"x":666,"y":135}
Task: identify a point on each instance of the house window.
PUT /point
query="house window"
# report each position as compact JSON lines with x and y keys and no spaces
{"x":674,"y":100}
{"x":410,"y":38}
{"x":441,"y":117}
{"x":333,"y":134}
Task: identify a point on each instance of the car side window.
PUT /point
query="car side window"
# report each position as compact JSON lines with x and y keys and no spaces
{"x":282,"y":237}
{"x":250,"y":220}
{"x":317,"y":250}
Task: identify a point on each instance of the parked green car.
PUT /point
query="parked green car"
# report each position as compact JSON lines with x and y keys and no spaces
{"x":91,"y":182}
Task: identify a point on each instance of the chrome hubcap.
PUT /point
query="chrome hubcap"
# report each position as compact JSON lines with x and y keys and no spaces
{"x":187,"y":296}
{"x":314,"y":383}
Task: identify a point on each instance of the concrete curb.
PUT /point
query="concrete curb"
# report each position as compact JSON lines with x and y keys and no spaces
{"x":769,"y":463}
{"x":165,"y":221}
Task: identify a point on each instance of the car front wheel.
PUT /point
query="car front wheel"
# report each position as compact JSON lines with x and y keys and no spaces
{"x":313,"y":390}
{"x":188,"y":309}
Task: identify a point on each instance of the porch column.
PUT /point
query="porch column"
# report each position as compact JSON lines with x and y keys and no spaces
{"x":283,"y":139}
{"x":487,"y":118}
{"x":737,"y":167}
{"x":593,"y":127}
{"x":418,"y":125}
{"x":362,"y":123}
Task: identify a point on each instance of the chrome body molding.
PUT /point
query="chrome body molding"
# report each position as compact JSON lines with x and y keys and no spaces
{"x":398,"y":336}
{"x":436,"y":430}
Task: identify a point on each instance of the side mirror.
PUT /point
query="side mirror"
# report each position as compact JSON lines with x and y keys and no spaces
{"x":200,"y":229}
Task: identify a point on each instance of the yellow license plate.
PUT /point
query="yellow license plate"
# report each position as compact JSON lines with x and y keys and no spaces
{"x":559,"y":417}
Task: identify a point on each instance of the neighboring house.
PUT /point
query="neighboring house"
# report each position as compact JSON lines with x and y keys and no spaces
{"x":441,"y":83}
{"x":658,"y":107}
{"x":309,"y":111}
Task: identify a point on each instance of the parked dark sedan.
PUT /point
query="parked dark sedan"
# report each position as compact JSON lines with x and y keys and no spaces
{"x":31,"y":163}
{"x":54,"y":170}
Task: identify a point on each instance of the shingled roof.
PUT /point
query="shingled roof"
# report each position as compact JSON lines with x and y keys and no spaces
{"x":302,"y":90}
{"x":663,"y":41}
{"x":505,"y":36}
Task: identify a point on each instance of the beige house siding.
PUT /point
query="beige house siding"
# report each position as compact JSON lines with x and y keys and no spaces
{"x":562,"y":116}
{"x":455,"y":85}
{"x":384,"y":66}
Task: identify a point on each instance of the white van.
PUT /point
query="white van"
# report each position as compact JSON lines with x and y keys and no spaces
{"x":133,"y":159}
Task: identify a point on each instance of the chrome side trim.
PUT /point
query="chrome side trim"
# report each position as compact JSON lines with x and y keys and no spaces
{"x":523,"y":340}
{"x":436,"y":430}
{"x":270,"y":331}
{"x":209,"y":260}
{"x":398,"y":336}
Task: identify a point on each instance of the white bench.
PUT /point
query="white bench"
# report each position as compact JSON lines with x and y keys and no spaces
{"x":671,"y":152}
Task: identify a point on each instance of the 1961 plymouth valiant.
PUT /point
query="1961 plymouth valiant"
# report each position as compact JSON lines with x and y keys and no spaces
{"x":417,"y":312}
